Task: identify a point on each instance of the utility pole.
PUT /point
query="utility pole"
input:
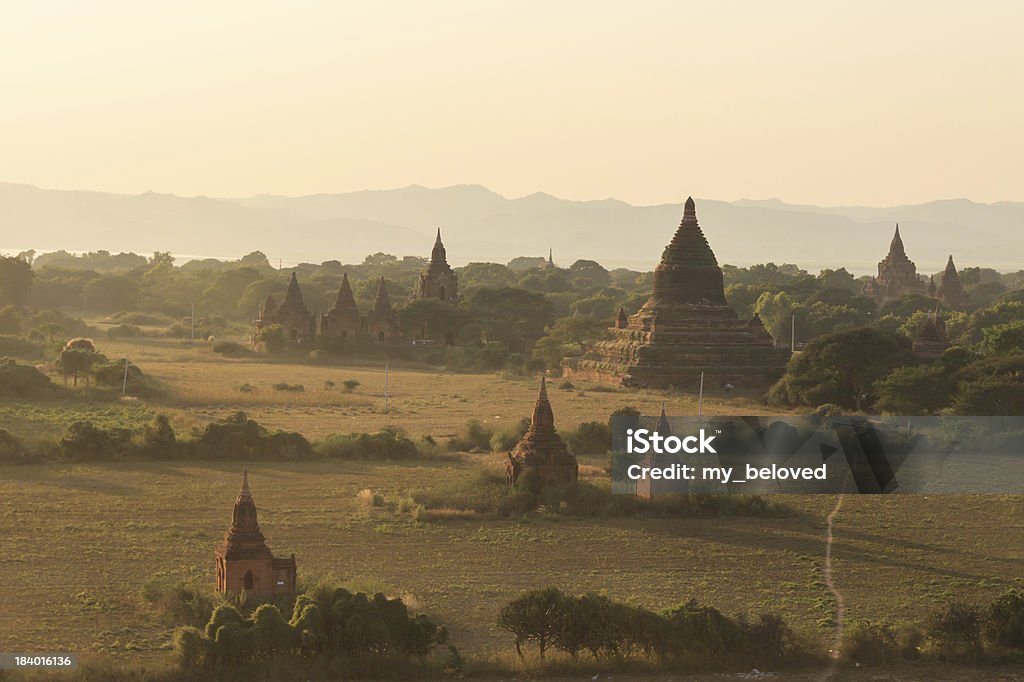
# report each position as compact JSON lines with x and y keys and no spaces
{"x":385,"y":388}
{"x":700,"y":397}
{"x":792,"y":334}
{"x":124,"y":384}
{"x":193,"y":321}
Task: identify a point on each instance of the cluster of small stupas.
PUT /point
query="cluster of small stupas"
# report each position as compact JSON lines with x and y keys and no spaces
{"x":344,"y":320}
{"x":686,"y":327}
{"x":897,"y":277}
{"x":244,"y":563}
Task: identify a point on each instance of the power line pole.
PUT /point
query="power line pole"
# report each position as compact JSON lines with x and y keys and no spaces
{"x":385,"y":388}
{"x":700,"y":398}
{"x":193,"y":321}
{"x":124,"y":384}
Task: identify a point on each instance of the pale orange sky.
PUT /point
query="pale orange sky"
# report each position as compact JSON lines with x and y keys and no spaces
{"x":817,"y":102}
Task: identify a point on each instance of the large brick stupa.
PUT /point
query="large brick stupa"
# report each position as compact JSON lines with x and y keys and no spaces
{"x":685,"y":328}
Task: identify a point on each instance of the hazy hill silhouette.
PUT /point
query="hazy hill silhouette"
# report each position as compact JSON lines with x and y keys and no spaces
{"x":479,"y":225}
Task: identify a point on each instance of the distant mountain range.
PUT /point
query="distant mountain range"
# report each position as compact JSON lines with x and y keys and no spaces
{"x":480,"y":225}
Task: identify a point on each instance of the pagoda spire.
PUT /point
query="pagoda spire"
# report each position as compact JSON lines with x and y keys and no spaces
{"x":543,"y":417}
{"x":382,"y":302}
{"x":345,"y":297}
{"x":896,"y":245}
{"x":244,"y":492}
{"x":293,"y":297}
{"x":438,"y":255}
{"x":689,"y":273}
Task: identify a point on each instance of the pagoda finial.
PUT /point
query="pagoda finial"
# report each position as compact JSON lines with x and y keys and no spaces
{"x":543,"y":417}
{"x":896,"y":245}
{"x":690,"y":209}
{"x":438,"y":255}
{"x":244,"y":492}
{"x":551,"y":256}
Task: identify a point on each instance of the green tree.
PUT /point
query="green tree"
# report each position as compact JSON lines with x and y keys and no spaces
{"x":993,"y":386}
{"x":477,"y":275}
{"x":567,"y":336}
{"x":587,"y":274}
{"x":110,"y":293}
{"x":1002,"y":339}
{"x":533,"y":617}
{"x":15,"y":281}
{"x":274,"y":338}
{"x":842,"y":368}
{"x":915,"y":390}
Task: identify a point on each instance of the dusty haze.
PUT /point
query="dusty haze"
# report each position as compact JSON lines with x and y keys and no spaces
{"x":873,"y":103}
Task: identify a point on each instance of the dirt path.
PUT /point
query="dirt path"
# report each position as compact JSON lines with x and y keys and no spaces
{"x":837,"y":636}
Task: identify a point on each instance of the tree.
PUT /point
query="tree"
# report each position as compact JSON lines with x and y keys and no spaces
{"x":508,"y":315}
{"x":111,"y":293}
{"x":485,"y":275}
{"x":993,"y":386}
{"x":838,"y":279}
{"x":842,"y":368}
{"x":10,"y":320}
{"x":378,"y":259}
{"x":1004,"y":620}
{"x":78,"y":356}
{"x":566,"y":336}
{"x":920,"y":390}
{"x":15,"y":281}
{"x":1002,"y":339}
{"x":533,"y":617}
{"x":430,"y":318}
{"x":588,"y":274}
{"x":274,"y":338}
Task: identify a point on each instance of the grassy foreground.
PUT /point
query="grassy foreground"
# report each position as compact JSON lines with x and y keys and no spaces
{"x":81,"y":540}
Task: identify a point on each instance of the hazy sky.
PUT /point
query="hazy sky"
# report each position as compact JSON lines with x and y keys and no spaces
{"x":817,"y":102}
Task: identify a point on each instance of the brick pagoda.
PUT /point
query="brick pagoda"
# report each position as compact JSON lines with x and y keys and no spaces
{"x":244,"y":562}
{"x":685,"y":328}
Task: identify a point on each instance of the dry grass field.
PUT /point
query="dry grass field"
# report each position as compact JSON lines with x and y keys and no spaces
{"x":204,"y":386}
{"x":79,"y":541}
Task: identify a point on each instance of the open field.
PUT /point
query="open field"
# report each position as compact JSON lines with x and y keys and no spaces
{"x":204,"y":386}
{"x":80,"y":541}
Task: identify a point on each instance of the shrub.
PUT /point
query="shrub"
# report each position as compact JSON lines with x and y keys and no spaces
{"x":869,"y":643}
{"x":591,"y":438}
{"x":1004,"y":620}
{"x":241,"y":438}
{"x":476,"y":437}
{"x":11,"y":450}
{"x":368,"y":498}
{"x":383,"y":445}
{"x":506,"y":439}
{"x":350,"y":385}
{"x":112,"y":375}
{"x":22,"y":381}
{"x":231,"y":349}
{"x":273,"y":338}
{"x":293,"y":388}
{"x":332,"y":623}
{"x":319,"y":356}
{"x":83,"y":442}
{"x":124,"y":331}
{"x":955,"y":633}
{"x":18,"y":347}
{"x":178,"y":604}
{"x":159,"y":435}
